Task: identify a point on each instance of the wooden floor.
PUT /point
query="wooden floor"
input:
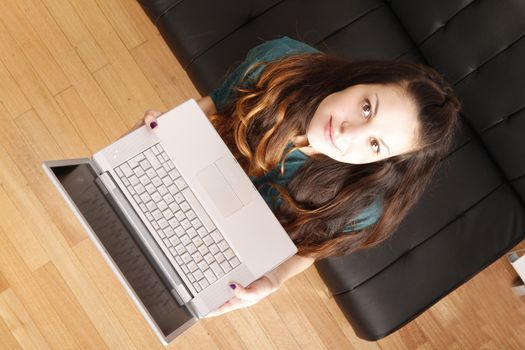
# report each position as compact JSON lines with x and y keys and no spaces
{"x":75,"y":75}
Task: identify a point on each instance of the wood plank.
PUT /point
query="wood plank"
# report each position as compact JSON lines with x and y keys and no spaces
{"x":7,"y":338}
{"x":36,"y":132}
{"x":13,"y":225}
{"x":291,"y":311}
{"x":10,"y":94}
{"x":319,"y":317}
{"x":249,"y":329}
{"x":117,"y":14}
{"x":83,"y":121}
{"x":271,"y":323}
{"x":163,"y":72}
{"x":19,"y":26}
{"x":20,"y":323}
{"x":3,"y":283}
{"x":40,"y":98}
{"x":76,"y":32}
{"x":21,"y":151}
{"x":140,"y":20}
{"x":90,"y":93}
{"x":223,"y":333}
{"x":30,"y":303}
{"x":121,"y":60}
{"x":119,"y":94}
{"x":68,"y":308}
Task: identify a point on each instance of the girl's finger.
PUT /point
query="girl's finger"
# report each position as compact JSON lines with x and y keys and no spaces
{"x":150,"y":118}
{"x":231,"y":305}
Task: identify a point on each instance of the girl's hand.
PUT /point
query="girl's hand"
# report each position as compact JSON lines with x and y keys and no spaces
{"x":248,"y":296}
{"x":150,"y":118}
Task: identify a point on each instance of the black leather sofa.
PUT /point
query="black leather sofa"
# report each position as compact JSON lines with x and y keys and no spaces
{"x":473,"y":212}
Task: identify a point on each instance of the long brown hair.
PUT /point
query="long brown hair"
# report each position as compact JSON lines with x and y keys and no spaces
{"x":324,"y":195}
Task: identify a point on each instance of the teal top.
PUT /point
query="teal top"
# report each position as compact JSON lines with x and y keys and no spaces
{"x":267,"y":52}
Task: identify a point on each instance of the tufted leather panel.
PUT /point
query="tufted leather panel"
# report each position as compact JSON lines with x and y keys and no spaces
{"x":482,"y":40}
{"x":473,"y":211}
{"x":404,"y":289}
{"x":292,"y":18}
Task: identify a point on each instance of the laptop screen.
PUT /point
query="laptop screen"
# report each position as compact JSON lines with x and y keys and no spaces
{"x":79,"y":182}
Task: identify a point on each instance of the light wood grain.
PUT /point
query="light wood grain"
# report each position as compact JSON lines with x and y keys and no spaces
{"x":76,"y":74}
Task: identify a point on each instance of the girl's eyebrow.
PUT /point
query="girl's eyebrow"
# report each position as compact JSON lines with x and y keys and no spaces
{"x":376,"y":107}
{"x":375,"y":113}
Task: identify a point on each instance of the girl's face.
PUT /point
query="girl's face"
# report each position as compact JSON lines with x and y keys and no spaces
{"x":364,"y":123}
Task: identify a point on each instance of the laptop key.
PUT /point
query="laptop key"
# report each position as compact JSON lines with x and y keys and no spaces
{"x":214,"y":249}
{"x":203,"y":250}
{"x":210,"y":276}
{"x":133,"y":180}
{"x":192,"y":267}
{"x":191,"y":248}
{"x":228,"y":254}
{"x":178,"y":259}
{"x":126,"y":170}
{"x":235,"y":262}
{"x":203,"y":265}
{"x":199,"y":210}
{"x":186,"y":257}
{"x":222,"y":244}
{"x":162,"y":205}
{"x":150,"y":156}
{"x":217,"y":237}
{"x":197,"y":257}
{"x":185,"y":240}
{"x":197,"y":241}
{"x":219,"y":257}
{"x":185,"y":224}
{"x":226,"y":267}
{"x":139,"y":171}
{"x":208,"y":240}
{"x":156,"y":181}
{"x":119,"y":172}
{"x":198,"y":274}
{"x":174,"y":240}
{"x":204,"y":283}
{"x":180,"y":249}
{"x":192,"y":233}
{"x":168,"y":232}
{"x":216,"y":268}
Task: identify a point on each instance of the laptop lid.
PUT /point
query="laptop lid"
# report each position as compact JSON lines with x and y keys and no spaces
{"x":75,"y":179}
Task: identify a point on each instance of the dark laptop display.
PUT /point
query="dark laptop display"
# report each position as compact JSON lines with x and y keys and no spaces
{"x":79,"y":182}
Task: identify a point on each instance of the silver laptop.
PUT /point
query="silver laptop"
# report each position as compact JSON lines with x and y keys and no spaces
{"x":175,"y":216}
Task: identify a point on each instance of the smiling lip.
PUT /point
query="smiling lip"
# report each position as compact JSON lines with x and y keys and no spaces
{"x":329,"y":133}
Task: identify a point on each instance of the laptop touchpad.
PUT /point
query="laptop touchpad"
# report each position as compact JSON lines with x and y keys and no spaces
{"x":219,"y":188}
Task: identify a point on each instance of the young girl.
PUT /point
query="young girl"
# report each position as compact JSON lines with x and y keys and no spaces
{"x":340,"y":150}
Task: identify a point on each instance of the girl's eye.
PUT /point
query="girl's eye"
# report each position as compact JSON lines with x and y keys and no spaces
{"x":367,"y":109}
{"x":375,"y":145}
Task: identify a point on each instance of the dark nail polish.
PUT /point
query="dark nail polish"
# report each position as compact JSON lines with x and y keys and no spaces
{"x":233,"y":286}
{"x":153,"y":125}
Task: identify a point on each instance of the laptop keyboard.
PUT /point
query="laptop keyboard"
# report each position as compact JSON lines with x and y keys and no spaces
{"x":182,"y":225}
